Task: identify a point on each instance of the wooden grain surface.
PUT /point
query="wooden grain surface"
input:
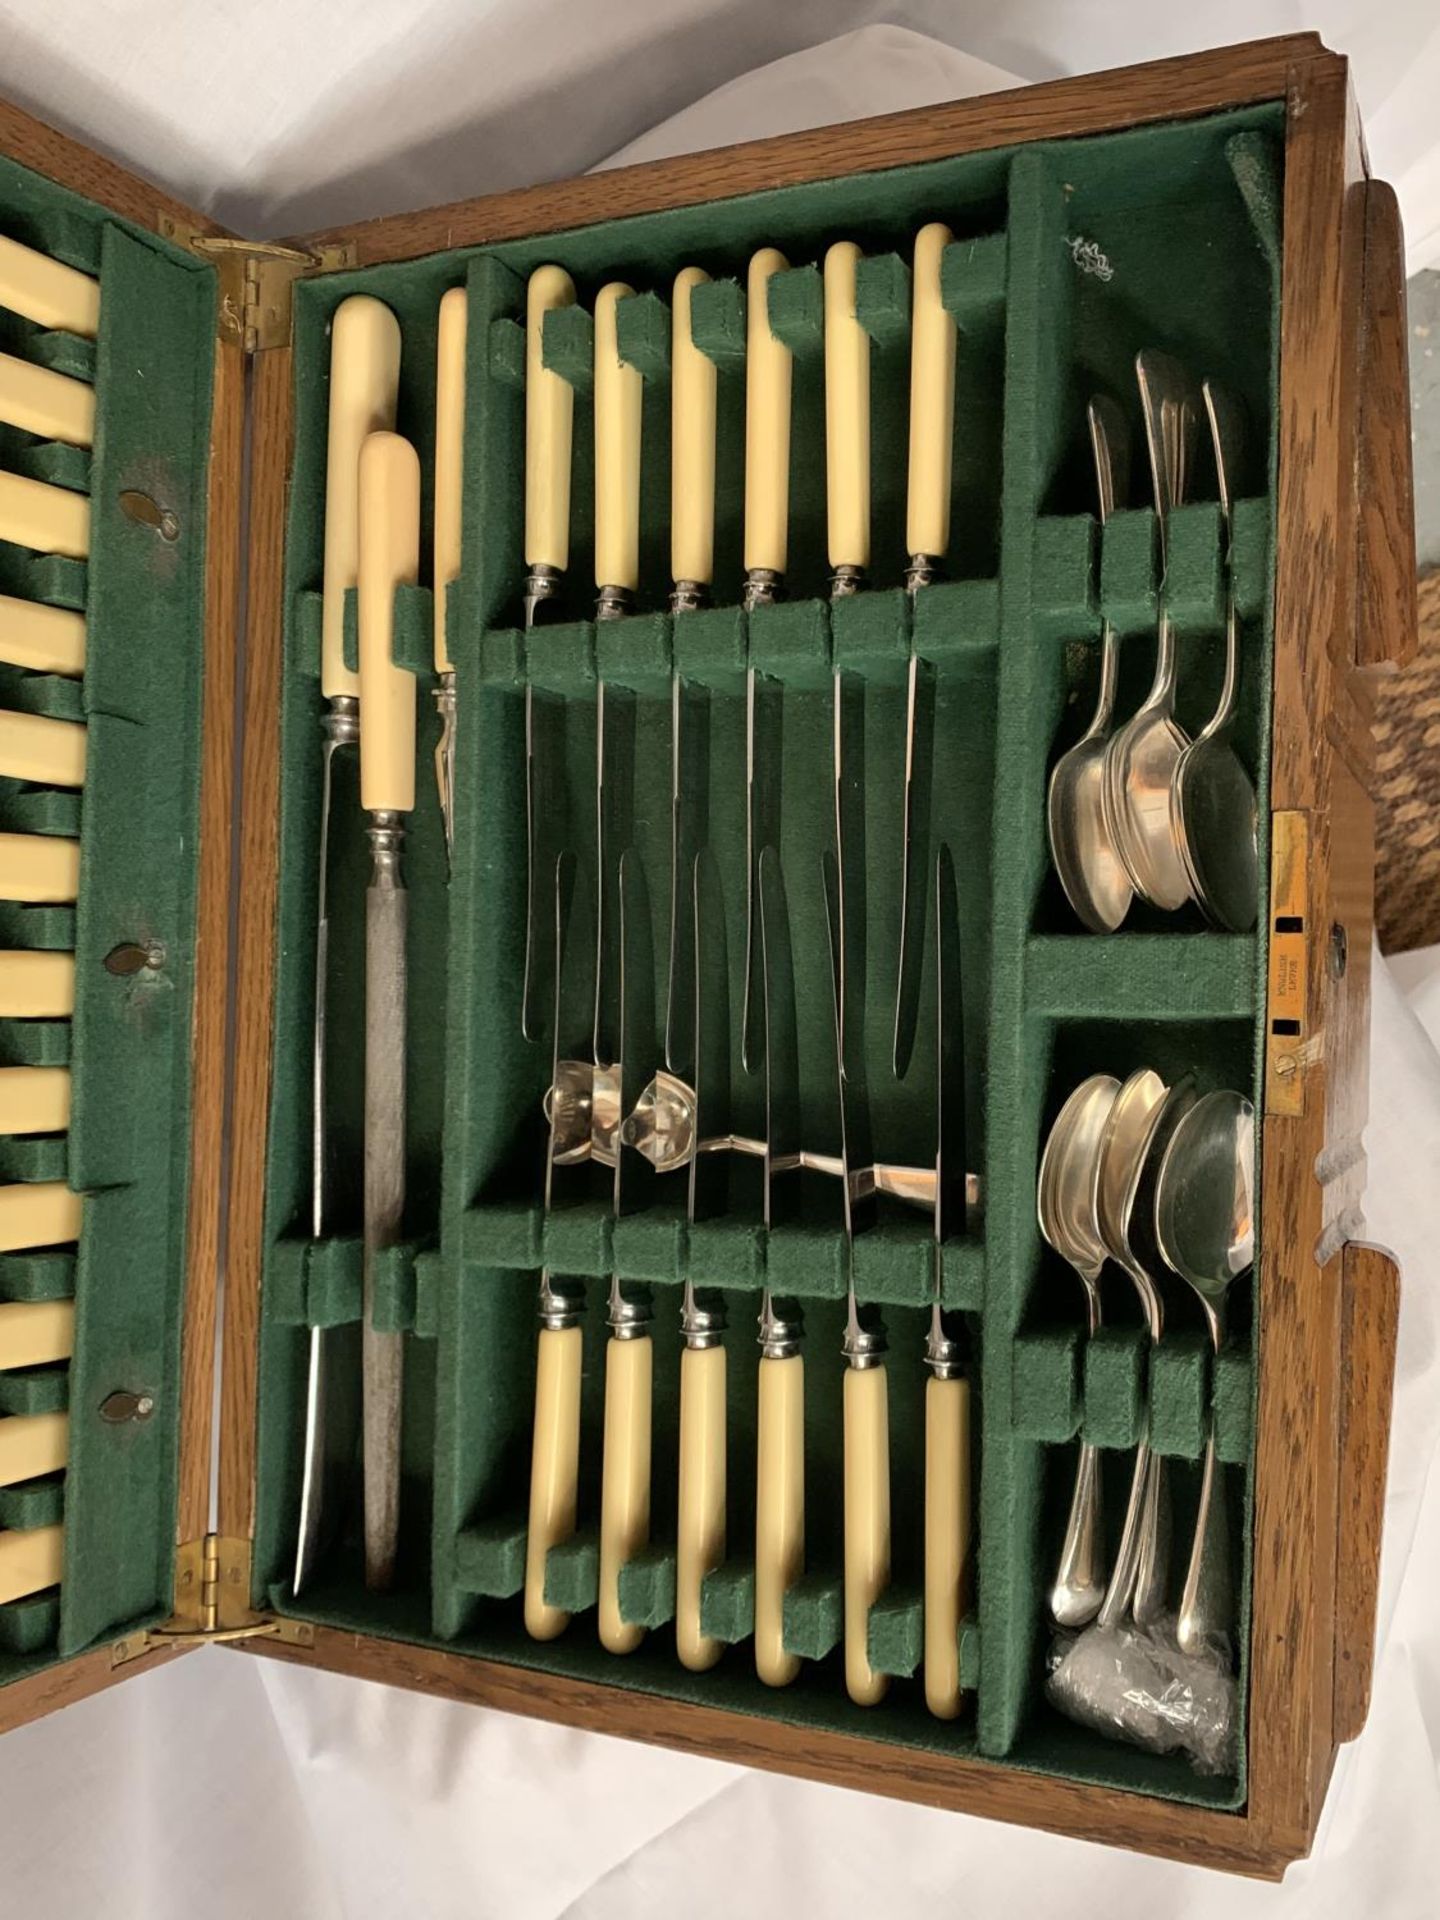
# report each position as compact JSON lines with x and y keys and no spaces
{"x":1196,"y":1834}
{"x":272,"y":429}
{"x":1092,"y":103}
{"x":209,"y":1077}
{"x":1385,"y":608}
{"x":62,"y":1685}
{"x":1371,"y":1318}
{"x":95,"y":175}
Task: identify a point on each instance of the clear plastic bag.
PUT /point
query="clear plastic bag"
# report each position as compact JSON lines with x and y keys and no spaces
{"x":1139,"y":1685}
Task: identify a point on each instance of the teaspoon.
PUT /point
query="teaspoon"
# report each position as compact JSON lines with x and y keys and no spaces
{"x":1067,"y":1203}
{"x":1205,"y":1226}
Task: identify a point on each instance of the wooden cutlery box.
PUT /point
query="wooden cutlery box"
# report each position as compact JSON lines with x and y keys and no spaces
{"x":1217,"y":206}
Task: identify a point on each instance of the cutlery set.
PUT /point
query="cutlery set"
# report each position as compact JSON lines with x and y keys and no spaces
{"x":40,"y":1217}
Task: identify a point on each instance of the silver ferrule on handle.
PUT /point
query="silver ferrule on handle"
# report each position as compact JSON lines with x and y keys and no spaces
{"x":628,"y":1319}
{"x":865,"y":1344}
{"x":541,"y":584}
{"x":558,"y":1309}
{"x":943,"y":1356}
{"x":701,"y":1326}
{"x":846,"y":580}
{"x":779,"y":1338}
{"x":613,"y":603}
{"x":921,"y":571}
{"x":689,"y":596}
{"x":762,"y":588}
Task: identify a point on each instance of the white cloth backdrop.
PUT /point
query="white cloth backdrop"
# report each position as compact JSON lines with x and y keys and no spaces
{"x":292,"y":1796}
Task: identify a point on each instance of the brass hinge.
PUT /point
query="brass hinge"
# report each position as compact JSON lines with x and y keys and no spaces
{"x":212,"y":1604}
{"x":257,"y":282}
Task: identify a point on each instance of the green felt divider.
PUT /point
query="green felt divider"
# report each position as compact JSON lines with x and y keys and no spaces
{"x":1234,"y":1390}
{"x":1114,"y":1395}
{"x":34,"y":1157}
{"x":572,"y":1573}
{"x":1012,"y":674}
{"x":1046,"y":1369}
{"x":35,"y":1043}
{"x":895,"y":1637}
{"x":813,"y":1618}
{"x":29,"y":1626}
{"x":38,"y":1503}
{"x":490,"y":1559}
{"x":727,"y":1601}
{"x":647,"y":1588}
{"x":1179,"y":1395}
{"x":35,"y":1390}
{"x":128,"y":1145}
{"x":46,"y":1275}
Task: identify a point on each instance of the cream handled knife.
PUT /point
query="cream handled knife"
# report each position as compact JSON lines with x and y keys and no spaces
{"x":36,"y":1333}
{"x":449,"y":496}
{"x":38,"y":869}
{"x":549,"y":438}
{"x":53,"y":406}
{"x":364,"y":382}
{"x":389,"y":558}
{"x":927,"y":537}
{"x":31,"y":1559}
{"x":619,"y":397}
{"x":36,"y":985}
{"x":40,"y":638}
{"x":43,"y":518}
{"x":847,"y":422}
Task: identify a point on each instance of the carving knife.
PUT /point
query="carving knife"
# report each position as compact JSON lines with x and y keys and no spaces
{"x":780,"y":1407}
{"x":389,"y":558}
{"x":947,"y":1391}
{"x":449,"y":487}
{"x":927,"y":536}
{"x":549,"y":436}
{"x":866,"y":1404}
{"x":693,"y":384}
{"x":364,"y":378}
{"x":769,"y":370}
{"x":700,"y":1508}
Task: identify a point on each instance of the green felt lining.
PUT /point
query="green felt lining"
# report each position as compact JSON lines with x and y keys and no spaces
{"x":129,"y":1043}
{"x":1010,"y":635}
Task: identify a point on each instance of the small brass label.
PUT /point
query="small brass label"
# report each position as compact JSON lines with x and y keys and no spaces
{"x":1287,"y":1044}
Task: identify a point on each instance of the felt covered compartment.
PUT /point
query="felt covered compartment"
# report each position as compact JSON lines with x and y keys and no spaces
{"x":128,"y":1045}
{"x":1067,"y":258}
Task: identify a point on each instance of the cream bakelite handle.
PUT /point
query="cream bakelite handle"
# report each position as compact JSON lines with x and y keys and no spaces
{"x":39,"y":869}
{"x":554,"y":1470}
{"x":779,"y":1511}
{"x":769,"y":372}
{"x":693,"y":383}
{"x":364,"y":380}
{"x":38,"y":1213}
{"x":389,"y":558}
{"x":947,"y":1539}
{"x":30,"y":1561}
{"x":449,"y":458}
{"x":44,"y":639}
{"x":624,"y":1481}
{"x":36,"y":1333}
{"x":48,"y":292}
{"x":34,"y":1099}
{"x":44,"y":518}
{"x":51,"y":405}
{"x":932,"y":400}
{"x":619,"y":396}
{"x":700,"y":1515}
{"x":847,"y":413}
{"x":49,"y":752}
{"x":32,"y":1444}
{"x":549,"y":428}
{"x":37,"y":986}
{"x":867,"y":1523}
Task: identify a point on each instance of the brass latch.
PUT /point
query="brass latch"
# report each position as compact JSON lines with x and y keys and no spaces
{"x":212,"y":1604}
{"x":257,"y":282}
{"x":1289,"y":1047}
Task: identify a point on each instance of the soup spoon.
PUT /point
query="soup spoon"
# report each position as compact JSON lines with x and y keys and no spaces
{"x":1205,"y":1227}
{"x":1067,"y":1203}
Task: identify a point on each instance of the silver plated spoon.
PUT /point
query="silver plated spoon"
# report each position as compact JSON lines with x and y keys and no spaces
{"x":1141,"y":758}
{"x":1205,"y":1226}
{"x":1067,"y":1203}
{"x":1090,"y":868}
{"x":1213,"y":801}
